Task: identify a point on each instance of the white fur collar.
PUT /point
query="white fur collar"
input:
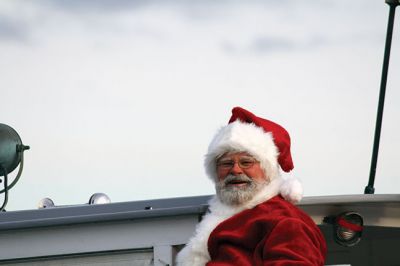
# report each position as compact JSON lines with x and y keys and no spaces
{"x":196,"y":251}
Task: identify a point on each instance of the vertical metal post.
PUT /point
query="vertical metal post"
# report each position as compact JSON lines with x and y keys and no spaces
{"x":5,"y":188}
{"x":369,"y":189}
{"x":163,"y":255}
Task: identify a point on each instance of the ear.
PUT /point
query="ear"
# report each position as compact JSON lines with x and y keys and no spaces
{"x":292,"y":190}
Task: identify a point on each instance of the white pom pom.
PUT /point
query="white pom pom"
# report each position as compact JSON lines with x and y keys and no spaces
{"x":292,"y":190}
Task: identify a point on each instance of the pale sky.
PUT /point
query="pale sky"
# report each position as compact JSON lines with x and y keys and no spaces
{"x":123,"y":97}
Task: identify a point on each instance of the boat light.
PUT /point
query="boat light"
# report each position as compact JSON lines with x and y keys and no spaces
{"x":45,"y":203}
{"x":347,"y":228}
{"x":99,"y":198}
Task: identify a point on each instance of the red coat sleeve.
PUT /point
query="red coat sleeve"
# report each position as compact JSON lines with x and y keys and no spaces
{"x":293,"y":242}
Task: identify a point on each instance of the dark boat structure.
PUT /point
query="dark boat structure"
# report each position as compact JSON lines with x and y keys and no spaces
{"x":152,"y":232}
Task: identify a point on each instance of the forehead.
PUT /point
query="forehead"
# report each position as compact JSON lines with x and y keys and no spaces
{"x":235,"y":154}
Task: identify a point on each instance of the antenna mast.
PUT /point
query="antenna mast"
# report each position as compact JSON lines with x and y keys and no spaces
{"x":369,"y":189}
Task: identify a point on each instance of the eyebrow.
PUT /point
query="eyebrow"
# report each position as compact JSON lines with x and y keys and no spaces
{"x":241,"y":157}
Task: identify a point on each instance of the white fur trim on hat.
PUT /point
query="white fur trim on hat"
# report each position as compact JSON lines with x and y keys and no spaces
{"x":292,"y":190}
{"x":243,"y":137}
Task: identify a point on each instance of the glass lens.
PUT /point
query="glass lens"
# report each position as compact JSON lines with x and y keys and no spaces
{"x":246,"y":162}
{"x":227,"y":164}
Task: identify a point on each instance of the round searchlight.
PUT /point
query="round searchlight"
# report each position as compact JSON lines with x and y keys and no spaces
{"x":349,"y":226}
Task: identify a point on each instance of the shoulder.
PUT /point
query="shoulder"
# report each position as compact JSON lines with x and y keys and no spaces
{"x":284,"y":216}
{"x":265,"y":216}
{"x":296,"y":232}
{"x":281,"y":208}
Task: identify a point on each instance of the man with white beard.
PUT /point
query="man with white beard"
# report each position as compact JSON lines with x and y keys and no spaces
{"x":249,"y":221}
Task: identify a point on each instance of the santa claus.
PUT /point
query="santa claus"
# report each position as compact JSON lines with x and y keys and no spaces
{"x":251,"y":220}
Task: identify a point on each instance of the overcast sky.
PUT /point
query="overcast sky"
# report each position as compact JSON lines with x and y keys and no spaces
{"x":123,"y":97}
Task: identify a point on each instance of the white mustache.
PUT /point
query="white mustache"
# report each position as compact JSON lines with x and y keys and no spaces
{"x":237,"y":178}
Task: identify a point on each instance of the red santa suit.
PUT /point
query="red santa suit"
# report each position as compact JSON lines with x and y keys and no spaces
{"x":272,"y":233}
{"x":265,"y":230}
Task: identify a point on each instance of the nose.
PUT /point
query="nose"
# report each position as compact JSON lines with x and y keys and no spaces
{"x":236,"y":170}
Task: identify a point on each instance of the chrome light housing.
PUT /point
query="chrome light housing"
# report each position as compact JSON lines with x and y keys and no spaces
{"x":347,"y":228}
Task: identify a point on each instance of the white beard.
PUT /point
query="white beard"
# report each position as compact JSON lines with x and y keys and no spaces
{"x":236,"y":195}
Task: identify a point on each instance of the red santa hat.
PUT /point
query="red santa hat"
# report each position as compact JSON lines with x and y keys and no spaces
{"x":267,"y":141}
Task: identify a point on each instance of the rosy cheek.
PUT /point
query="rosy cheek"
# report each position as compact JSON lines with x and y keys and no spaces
{"x":221,"y":175}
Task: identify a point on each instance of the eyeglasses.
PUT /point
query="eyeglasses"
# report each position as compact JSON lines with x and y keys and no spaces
{"x":243,"y":162}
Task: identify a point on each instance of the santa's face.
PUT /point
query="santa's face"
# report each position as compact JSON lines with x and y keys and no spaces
{"x":239,"y":163}
{"x":240,"y":177}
